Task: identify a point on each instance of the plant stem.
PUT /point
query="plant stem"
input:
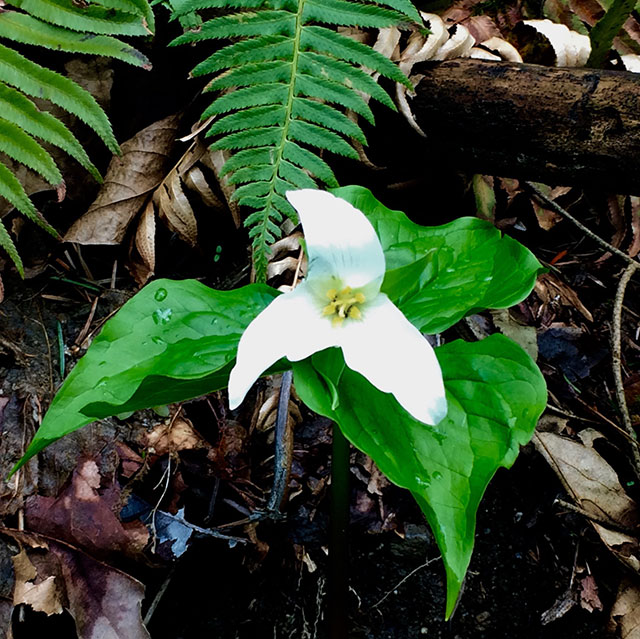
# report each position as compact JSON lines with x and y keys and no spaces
{"x":338,"y":546}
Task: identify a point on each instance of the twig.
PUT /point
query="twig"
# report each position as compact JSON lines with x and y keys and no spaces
{"x":152,"y":519}
{"x":208,"y":532}
{"x":413,"y":572}
{"x":597,"y":519}
{"x":565,"y":214}
{"x":158,"y":597}
{"x":284,"y":447}
{"x":617,"y":368}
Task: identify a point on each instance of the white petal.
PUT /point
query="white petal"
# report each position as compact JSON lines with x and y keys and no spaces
{"x":341,"y":242}
{"x":291,"y":326}
{"x":394,"y":356}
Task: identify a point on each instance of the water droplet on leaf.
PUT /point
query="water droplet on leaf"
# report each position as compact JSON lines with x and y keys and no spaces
{"x":161,"y":294}
{"x":162,"y":315}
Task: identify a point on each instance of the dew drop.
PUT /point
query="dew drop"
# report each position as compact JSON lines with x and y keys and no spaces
{"x":162,"y":315}
{"x":158,"y":340}
{"x":437,"y":475}
{"x":161,"y":294}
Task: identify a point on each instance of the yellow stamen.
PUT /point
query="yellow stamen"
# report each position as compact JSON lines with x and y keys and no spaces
{"x":343,"y":304}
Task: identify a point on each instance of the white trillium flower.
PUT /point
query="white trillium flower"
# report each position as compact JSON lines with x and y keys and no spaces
{"x":340,"y":304}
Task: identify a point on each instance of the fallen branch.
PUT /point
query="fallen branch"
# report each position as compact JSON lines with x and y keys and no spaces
{"x":554,"y":125}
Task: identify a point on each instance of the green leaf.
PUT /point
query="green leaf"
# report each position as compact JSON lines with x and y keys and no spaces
{"x":495,"y":394}
{"x":28,"y":30}
{"x":173,"y":341}
{"x":607,"y":28}
{"x":438,"y":275}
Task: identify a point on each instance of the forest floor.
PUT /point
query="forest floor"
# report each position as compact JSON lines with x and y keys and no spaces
{"x":126,"y":503}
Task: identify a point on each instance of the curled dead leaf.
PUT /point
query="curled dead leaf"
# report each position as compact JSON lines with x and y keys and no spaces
{"x":41,"y":594}
{"x":625,"y":614}
{"x":127,"y":185}
{"x":83,"y":515}
{"x":551,"y":289}
{"x":144,"y":242}
{"x":176,"y":435}
{"x":594,"y":486}
{"x":104,"y":602}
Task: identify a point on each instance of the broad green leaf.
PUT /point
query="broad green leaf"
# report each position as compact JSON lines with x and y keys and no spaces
{"x":495,"y":394}
{"x":173,"y":341}
{"x":437,"y":275}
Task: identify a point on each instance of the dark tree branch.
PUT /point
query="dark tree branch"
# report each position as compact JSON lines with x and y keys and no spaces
{"x":558,"y":126}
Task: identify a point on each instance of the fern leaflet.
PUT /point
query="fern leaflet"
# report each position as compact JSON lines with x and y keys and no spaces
{"x":60,"y":25}
{"x":287,"y":78}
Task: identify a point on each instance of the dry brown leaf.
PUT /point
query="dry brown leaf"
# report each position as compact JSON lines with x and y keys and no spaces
{"x":94,"y":75}
{"x":173,"y":204}
{"x":265,"y":412}
{"x":625,"y":614}
{"x":215,"y":160}
{"x":526,"y":336}
{"x":83,"y":515}
{"x":550,"y":288}
{"x":547,"y":218}
{"x":104,"y":602}
{"x":197,"y":182}
{"x":43,"y":596}
{"x":31,"y":182}
{"x":594,"y":486}
{"x":127,"y":185}
{"x":145,"y":244}
{"x":175,"y":435}
{"x":229,"y":455}
{"x":175,"y":209}
{"x":589,"y":597}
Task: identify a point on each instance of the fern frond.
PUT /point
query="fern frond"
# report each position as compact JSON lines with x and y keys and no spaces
{"x":25,"y":29}
{"x":24,"y":149}
{"x":288,"y":78}
{"x":34,"y":80}
{"x":91,"y":19}
{"x":12,"y":191}
{"x":59,"y":25}
{"x":18,"y":109}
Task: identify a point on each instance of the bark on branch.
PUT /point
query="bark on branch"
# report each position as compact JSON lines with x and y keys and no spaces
{"x":559,"y":126}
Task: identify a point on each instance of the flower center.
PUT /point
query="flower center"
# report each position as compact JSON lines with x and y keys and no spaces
{"x":343,"y":304}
